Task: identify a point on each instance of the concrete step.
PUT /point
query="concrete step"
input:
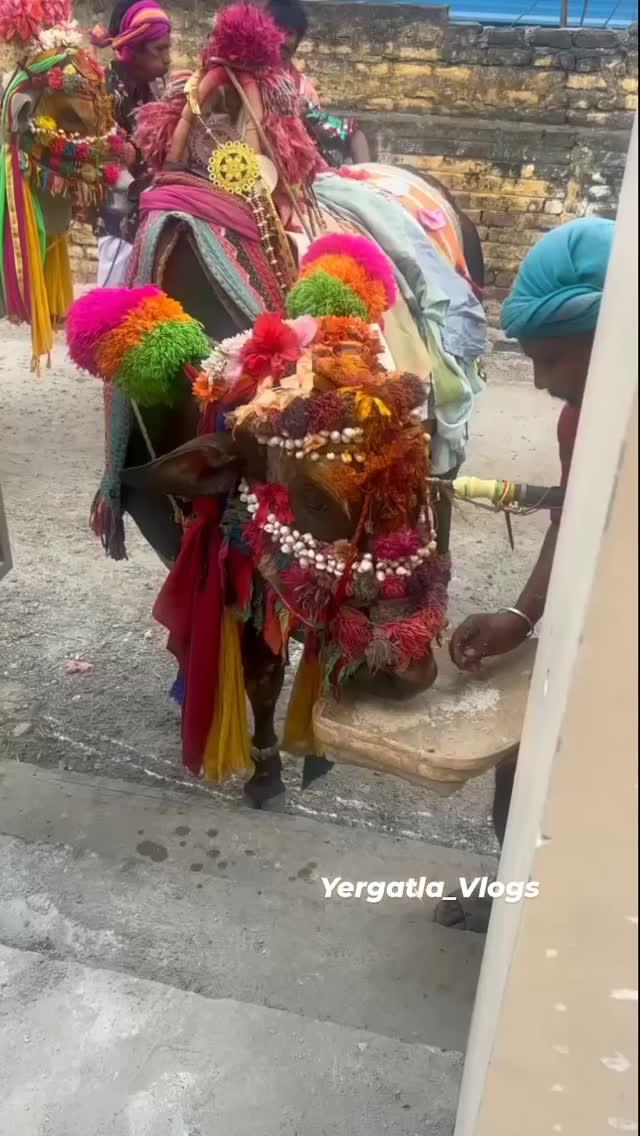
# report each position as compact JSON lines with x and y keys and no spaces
{"x":230,"y":904}
{"x":89,"y":1052}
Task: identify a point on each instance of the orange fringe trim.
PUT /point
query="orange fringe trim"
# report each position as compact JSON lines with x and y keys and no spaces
{"x":145,"y":318}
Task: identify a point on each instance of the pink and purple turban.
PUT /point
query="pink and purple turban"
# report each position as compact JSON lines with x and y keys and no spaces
{"x":142,"y":23}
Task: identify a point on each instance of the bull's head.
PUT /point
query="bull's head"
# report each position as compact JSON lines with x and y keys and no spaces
{"x":61,"y":150}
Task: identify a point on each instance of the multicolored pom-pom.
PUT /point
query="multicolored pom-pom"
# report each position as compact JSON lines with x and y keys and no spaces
{"x":137,"y":338}
{"x":359,"y":264}
{"x":322,"y":295}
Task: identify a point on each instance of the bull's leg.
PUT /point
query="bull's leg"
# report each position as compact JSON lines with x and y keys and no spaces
{"x":263,"y":676}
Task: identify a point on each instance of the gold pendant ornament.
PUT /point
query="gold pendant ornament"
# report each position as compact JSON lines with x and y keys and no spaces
{"x":234,"y":167}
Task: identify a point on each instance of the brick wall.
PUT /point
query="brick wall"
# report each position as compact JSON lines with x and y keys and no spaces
{"x":527,"y":126}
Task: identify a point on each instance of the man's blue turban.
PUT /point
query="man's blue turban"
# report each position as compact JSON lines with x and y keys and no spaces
{"x":559,"y":286}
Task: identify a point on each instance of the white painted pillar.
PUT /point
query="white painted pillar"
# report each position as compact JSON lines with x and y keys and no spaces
{"x":553,"y":1041}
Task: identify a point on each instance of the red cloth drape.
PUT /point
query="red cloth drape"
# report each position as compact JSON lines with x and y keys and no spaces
{"x":190,"y":606}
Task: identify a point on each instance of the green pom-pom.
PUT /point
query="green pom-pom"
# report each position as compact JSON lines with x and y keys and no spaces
{"x":151,"y":374}
{"x":323,"y":295}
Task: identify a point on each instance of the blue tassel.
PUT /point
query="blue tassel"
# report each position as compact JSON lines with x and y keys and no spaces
{"x":177,"y":690}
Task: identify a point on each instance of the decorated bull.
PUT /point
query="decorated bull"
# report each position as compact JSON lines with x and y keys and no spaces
{"x":60,"y":153}
{"x":310,"y":511}
{"x":239,"y":192}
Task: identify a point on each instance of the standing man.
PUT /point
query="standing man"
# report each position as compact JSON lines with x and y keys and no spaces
{"x":552,"y":310}
{"x":140,"y":35}
{"x":340,"y":140}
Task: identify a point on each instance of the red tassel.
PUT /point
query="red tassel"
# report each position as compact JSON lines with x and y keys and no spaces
{"x":108,"y":526}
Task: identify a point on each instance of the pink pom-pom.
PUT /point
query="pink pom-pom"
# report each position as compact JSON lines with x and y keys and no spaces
{"x":247,"y":38}
{"x":96,"y":313}
{"x":362,"y":250}
{"x":111,"y":174}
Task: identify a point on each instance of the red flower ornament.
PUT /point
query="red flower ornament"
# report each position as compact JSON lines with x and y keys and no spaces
{"x":272,"y":349}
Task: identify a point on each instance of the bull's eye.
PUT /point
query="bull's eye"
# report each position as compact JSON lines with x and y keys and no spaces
{"x":70,"y":120}
{"x":316,"y":504}
{"x":318,"y":512}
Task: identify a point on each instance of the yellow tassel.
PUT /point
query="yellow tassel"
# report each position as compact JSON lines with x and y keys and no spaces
{"x":57,"y":278}
{"x":298,"y":731}
{"x":41,"y":330}
{"x":367,"y":403}
{"x":228,"y":748}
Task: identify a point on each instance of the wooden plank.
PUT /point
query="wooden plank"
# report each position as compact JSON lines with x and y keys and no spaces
{"x":464,"y":725}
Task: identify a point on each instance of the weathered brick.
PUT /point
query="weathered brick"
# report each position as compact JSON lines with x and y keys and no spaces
{"x":490,"y":183}
{"x":498,"y":203}
{"x":537,"y":222}
{"x":600,"y":193}
{"x":504,"y":280}
{"x":591,"y":62}
{"x":508,"y":35}
{"x":82,"y":235}
{"x":513,"y":236}
{"x":551,"y":37}
{"x":461,"y":53}
{"x":595,"y":37}
{"x":586,"y":83}
{"x":508,"y":257}
{"x":508,"y":56}
{"x":463,"y":33}
{"x":559,"y":60}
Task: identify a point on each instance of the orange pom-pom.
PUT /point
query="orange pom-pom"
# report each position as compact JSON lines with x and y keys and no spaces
{"x":143,"y":319}
{"x":371,"y":291}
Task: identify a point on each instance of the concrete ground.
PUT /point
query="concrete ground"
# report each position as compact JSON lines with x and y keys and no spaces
{"x":169,"y":964}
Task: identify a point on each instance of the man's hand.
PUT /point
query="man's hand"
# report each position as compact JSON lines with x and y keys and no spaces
{"x":482,"y":636}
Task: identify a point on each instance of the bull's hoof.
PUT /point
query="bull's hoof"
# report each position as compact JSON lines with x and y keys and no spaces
{"x":266,"y":789}
{"x":463,"y":914}
{"x":277,"y":804}
{"x":265,"y":794}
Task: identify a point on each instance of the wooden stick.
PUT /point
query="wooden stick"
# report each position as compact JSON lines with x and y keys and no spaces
{"x":177,"y":511}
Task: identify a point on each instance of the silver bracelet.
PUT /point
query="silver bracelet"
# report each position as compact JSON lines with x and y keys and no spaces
{"x":516,"y":611}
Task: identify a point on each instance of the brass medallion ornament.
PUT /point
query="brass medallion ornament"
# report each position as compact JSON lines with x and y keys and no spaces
{"x":234,"y":167}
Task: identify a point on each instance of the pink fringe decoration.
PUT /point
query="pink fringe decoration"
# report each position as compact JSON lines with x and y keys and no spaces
{"x":57,"y":12}
{"x":96,"y":313}
{"x":245,"y":37}
{"x":361,"y":249}
{"x":395,"y":546}
{"x":156,"y":123}
{"x":296,"y":152}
